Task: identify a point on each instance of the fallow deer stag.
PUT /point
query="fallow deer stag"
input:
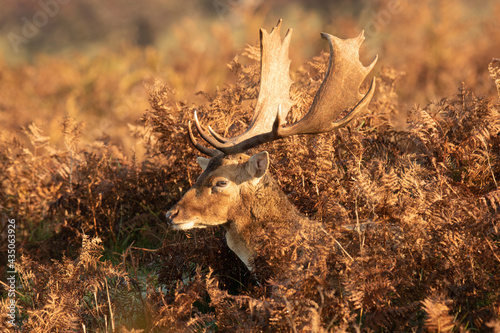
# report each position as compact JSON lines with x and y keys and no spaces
{"x":235,"y":190}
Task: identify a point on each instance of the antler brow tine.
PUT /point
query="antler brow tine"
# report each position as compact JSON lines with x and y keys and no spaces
{"x":207,"y":151}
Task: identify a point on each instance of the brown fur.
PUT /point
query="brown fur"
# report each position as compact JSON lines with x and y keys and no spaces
{"x":246,"y":204}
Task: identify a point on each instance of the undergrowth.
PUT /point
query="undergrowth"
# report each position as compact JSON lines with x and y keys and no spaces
{"x":405,"y":233}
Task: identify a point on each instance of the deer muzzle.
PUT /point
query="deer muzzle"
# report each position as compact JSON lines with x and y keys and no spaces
{"x":171,"y":214}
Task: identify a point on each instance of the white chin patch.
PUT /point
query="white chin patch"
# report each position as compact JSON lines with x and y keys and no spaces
{"x":187,"y":225}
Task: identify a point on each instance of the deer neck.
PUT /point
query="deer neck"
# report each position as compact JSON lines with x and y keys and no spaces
{"x":264,"y":207}
{"x":238,"y":245}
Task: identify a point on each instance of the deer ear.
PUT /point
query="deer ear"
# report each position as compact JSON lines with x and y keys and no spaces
{"x":203,"y":162}
{"x":258,"y":164}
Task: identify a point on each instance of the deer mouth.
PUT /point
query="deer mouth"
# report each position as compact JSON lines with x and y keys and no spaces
{"x":173,"y":220}
{"x":171,"y":216}
{"x":184,"y":225}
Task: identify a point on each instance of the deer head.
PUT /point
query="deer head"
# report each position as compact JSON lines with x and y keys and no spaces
{"x":217,"y":196}
{"x":234,"y":189}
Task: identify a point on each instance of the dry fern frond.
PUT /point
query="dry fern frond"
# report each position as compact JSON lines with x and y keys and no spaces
{"x":494,"y":324}
{"x":56,"y":301}
{"x":438,"y":316}
{"x":35,"y":136}
{"x":492,"y":200}
{"x":494,"y":68}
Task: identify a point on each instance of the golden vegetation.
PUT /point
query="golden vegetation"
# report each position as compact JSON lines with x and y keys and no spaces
{"x":406,"y":200}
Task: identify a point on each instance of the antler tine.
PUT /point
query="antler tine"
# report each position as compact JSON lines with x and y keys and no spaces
{"x":203,"y":133}
{"x":338,"y":92}
{"x":218,"y":137}
{"x":274,"y":90}
{"x":207,"y":151}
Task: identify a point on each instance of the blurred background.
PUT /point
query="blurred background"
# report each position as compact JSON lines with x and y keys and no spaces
{"x":94,"y":60}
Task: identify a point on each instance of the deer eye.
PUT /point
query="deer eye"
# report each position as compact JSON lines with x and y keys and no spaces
{"x":221,"y":183}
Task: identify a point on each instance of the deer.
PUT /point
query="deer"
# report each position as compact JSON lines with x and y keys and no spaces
{"x":235,"y":190}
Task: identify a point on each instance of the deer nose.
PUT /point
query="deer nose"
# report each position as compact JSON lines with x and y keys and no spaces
{"x":171,"y":214}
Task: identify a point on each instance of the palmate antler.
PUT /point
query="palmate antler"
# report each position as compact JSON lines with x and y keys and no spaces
{"x":338,"y":92}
